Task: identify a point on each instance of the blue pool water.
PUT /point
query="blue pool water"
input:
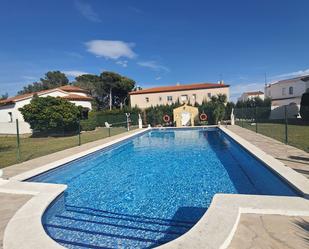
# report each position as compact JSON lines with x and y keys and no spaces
{"x":150,"y":189}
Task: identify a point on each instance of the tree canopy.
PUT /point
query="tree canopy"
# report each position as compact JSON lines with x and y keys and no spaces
{"x":109,"y":89}
{"x":52,"y":79}
{"x":4,"y":96}
{"x":254,"y":102}
{"x":304,"y":106}
{"x":50,"y":114}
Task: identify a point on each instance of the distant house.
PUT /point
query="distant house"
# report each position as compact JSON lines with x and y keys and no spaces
{"x":286,"y":93}
{"x":251,"y":95}
{"x":9,"y":107}
{"x":193,"y":93}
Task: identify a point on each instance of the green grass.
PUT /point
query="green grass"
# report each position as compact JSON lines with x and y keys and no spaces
{"x":298,"y":135}
{"x":36,"y":147}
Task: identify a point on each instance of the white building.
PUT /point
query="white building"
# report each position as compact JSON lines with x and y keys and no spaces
{"x":286,"y":93}
{"x":9,"y":107}
{"x":251,"y":95}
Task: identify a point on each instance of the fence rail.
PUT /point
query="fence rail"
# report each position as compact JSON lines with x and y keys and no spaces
{"x":285,"y":127}
{"x":16,"y":146}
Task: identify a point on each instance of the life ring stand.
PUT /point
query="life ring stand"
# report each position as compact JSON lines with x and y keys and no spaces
{"x":166,"y":118}
{"x":203,"y":117}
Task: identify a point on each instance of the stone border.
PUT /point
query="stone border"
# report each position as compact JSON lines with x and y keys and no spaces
{"x":294,"y":179}
{"x":25,"y":229}
{"x":214,"y":230}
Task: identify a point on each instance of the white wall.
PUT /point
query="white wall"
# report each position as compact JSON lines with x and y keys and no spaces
{"x":154,"y":98}
{"x":274,"y":91}
{"x":7,"y":127}
{"x":86,"y":104}
{"x":279,"y":100}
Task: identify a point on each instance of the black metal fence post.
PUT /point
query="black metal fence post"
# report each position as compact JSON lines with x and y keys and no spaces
{"x":256,"y":121}
{"x":286,"y":124}
{"x":18,"y":141}
{"x":79,"y":137}
{"x":242,"y":116}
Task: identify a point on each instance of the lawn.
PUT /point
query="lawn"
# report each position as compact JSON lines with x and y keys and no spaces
{"x":36,"y":147}
{"x":298,"y":135}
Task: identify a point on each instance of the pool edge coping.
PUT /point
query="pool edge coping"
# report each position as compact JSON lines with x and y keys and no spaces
{"x":232,"y":206}
{"x":293,"y":178}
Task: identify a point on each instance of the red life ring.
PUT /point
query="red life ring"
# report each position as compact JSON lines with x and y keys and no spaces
{"x":166,"y":118}
{"x":203,"y":117}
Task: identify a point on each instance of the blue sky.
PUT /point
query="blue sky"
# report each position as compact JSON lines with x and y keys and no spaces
{"x":155,"y":42}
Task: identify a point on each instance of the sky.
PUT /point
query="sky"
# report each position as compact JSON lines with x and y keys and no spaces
{"x":155,"y":42}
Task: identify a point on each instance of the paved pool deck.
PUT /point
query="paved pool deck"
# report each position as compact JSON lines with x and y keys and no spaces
{"x":290,"y":156}
{"x":9,"y":204}
{"x":253,"y":230}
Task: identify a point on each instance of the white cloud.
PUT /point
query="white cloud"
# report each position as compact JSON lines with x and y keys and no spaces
{"x":74,"y":73}
{"x":122,"y":63}
{"x":292,"y":74}
{"x":87,"y":11}
{"x":158,"y":78}
{"x":110,"y":49}
{"x":153,"y":65}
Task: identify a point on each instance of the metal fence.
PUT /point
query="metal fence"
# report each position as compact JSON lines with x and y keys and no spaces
{"x":283,"y":125}
{"x":18,"y":143}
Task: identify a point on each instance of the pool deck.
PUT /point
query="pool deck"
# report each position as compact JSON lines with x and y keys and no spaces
{"x":290,"y":156}
{"x":273,"y":231}
{"x":252,"y":231}
{"x":9,"y":204}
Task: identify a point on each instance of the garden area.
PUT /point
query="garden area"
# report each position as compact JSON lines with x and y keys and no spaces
{"x":32,"y":147}
{"x":297,"y":135}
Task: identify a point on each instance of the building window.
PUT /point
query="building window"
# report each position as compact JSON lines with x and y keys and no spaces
{"x":160,"y":98}
{"x":169,"y":98}
{"x":10,"y":117}
{"x":283,"y":91}
{"x":184,"y":98}
{"x":290,"y":90}
{"x":147,"y":99}
{"x":209,"y":95}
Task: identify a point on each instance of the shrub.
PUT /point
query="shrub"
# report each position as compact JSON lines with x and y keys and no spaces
{"x":304,"y":106}
{"x":50,"y":114}
{"x":116,"y":117}
{"x":88,"y":124}
{"x":154,"y":114}
{"x":214,"y":109}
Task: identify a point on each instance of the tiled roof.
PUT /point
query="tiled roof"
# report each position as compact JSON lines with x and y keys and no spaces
{"x":179,"y":88}
{"x":254,"y":93}
{"x":77,"y":97}
{"x":69,"y":88}
{"x":292,"y":80}
{"x":24,"y":96}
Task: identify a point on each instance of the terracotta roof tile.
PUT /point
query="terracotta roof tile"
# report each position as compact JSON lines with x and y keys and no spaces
{"x":70,"y":88}
{"x":179,"y":88}
{"x":67,"y":88}
{"x":77,"y":97}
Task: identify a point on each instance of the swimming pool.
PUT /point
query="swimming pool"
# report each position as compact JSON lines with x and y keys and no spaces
{"x":150,"y":189}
